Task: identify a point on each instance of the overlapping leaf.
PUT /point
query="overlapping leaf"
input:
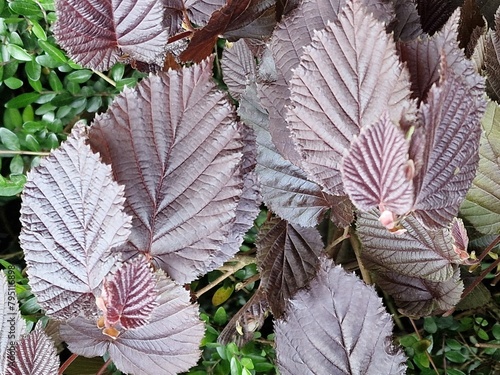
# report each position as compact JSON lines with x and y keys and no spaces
{"x":287,"y":256}
{"x":284,"y":187}
{"x":423,"y":57}
{"x":434,"y":13}
{"x":482,"y":204}
{"x":238,"y":68}
{"x":12,"y":325}
{"x":406,"y":25}
{"x":336,"y":90}
{"x":97,"y":34}
{"x":199,"y":11}
{"x":168,"y":344}
{"x":72,"y":216}
{"x":492,"y":60}
{"x":129,"y":296}
{"x":35,"y":354}
{"x":418,"y":252}
{"x":174,"y":144}
{"x":419,"y":297}
{"x":322,"y":332}
{"x":375,"y":170}
{"x":450,"y":121}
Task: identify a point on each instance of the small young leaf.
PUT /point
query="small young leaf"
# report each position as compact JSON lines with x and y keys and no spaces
{"x":18,"y":53}
{"x":69,"y":202}
{"x":9,"y":140}
{"x":54,"y":52}
{"x":322,"y":333}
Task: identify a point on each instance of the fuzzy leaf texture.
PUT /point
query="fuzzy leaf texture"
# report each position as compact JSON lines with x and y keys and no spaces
{"x":348,"y":76}
{"x":322,"y":332}
{"x":35,"y":355}
{"x":284,"y":187}
{"x":12,"y":325}
{"x":375,"y":170}
{"x":72,"y":216}
{"x":174,"y":143}
{"x":452,"y":129}
{"x":482,"y":204}
{"x":97,"y":34}
{"x":129,"y":296}
{"x":287,"y":257}
{"x":168,"y":344}
{"x":417,"y":252}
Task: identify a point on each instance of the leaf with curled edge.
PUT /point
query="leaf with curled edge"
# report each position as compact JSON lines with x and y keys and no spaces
{"x":417,"y":297}
{"x":168,"y":344}
{"x":287,"y":256}
{"x":284,"y":186}
{"x":417,"y":252}
{"x":376,"y":172}
{"x":322,"y":332}
{"x":174,"y":143}
{"x":12,"y":325}
{"x":482,"y":203}
{"x":450,"y":120}
{"x":35,"y":353}
{"x":97,"y":34}
{"x":246,"y":321}
{"x":72,"y":216}
{"x":336,"y":90}
{"x":423,"y":57}
{"x":128,"y":297}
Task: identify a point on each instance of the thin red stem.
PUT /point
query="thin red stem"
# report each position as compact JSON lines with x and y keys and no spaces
{"x":104,"y":367}
{"x":66,"y":364}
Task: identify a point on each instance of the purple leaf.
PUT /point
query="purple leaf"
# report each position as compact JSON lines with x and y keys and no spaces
{"x":406,"y":25}
{"x":246,"y":321}
{"x":97,"y":34}
{"x":450,"y":121}
{"x":423,"y":57}
{"x":336,"y":90}
{"x":434,"y":13}
{"x":238,"y":67}
{"x":417,"y":252}
{"x":72,"y":216}
{"x":322,"y":332}
{"x":287,"y":257}
{"x":284,"y":187}
{"x":199,"y":11}
{"x":417,"y":297}
{"x":35,"y":354}
{"x":174,"y":143}
{"x":375,"y":171}
{"x":167,"y":344}
{"x":129,"y":296}
{"x":12,"y":325}
{"x":460,"y":238}
{"x":492,"y":61}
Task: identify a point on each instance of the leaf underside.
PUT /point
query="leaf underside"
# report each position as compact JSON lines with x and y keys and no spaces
{"x":482,"y":204}
{"x":287,"y":256}
{"x":174,"y":144}
{"x":322,"y":332}
{"x":167,"y":344}
{"x":336,"y":90}
{"x":72,"y":215}
{"x":96,"y":34}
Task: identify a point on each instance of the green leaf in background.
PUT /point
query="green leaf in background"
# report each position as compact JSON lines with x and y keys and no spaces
{"x":18,"y":53}
{"x":222,"y":294}
{"x":13,"y":83}
{"x":38,"y":30}
{"x":12,"y":118}
{"x":482,"y":204}
{"x":33,"y":70}
{"x":12,"y":186}
{"x":53,"y":51}
{"x":22,"y":100}
{"x":9,"y":139}
{"x":17,"y":165}
{"x":80,"y":76}
{"x":26,"y":8}
{"x":220,"y":316}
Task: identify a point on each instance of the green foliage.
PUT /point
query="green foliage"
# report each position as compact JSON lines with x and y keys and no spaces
{"x":43,"y":92}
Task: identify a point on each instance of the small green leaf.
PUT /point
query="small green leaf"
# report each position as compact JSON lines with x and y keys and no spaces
{"x":222,"y":294}
{"x":94,"y":104}
{"x":18,"y":53}
{"x":482,"y":334}
{"x":12,"y":118}
{"x":235,"y":367}
{"x":32,"y":143}
{"x":264,"y":367}
{"x":9,"y":139}
{"x":54,"y":82}
{"x":73,"y":88}
{"x":13,"y":83}
{"x":53,"y":51}
{"x":455,"y":356}
{"x":453,"y":344}
{"x":12,"y":186}
{"x":80,"y":76}
{"x":52,"y":142}
{"x":117,"y":71}
{"x":28,"y":113}
{"x":47,"y":61}
{"x":33,"y":70}
{"x":247,"y":363}
{"x":451,"y":371}
{"x":220,"y":316}
{"x":38,"y":30}
{"x":17,"y":165}
{"x":430,"y":325}
{"x":22,"y":100}
{"x":496,"y":331}
{"x":25,"y":8}
{"x":62,"y":99}
{"x":37,"y":85}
